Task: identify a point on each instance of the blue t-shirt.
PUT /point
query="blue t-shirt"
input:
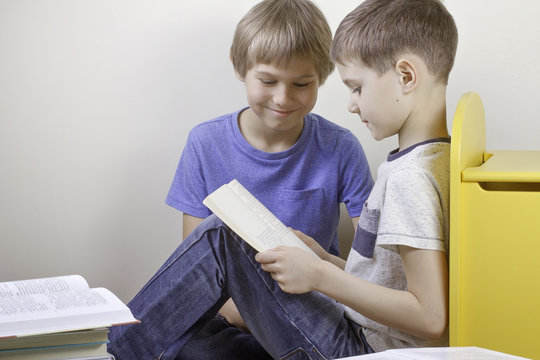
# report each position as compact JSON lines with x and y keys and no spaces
{"x":303,"y":186}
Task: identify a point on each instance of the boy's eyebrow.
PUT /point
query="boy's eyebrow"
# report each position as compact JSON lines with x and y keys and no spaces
{"x":265,"y":73}
{"x":348,"y":83}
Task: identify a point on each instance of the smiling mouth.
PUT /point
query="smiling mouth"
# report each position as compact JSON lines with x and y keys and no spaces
{"x":281,"y":113}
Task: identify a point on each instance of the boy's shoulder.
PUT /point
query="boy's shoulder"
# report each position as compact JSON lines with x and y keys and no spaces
{"x":218,"y":124}
{"x":423,"y":151}
{"x":429,"y":159}
{"x":325,"y":124}
{"x":330,"y":135}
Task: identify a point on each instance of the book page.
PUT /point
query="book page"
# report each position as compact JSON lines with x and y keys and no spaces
{"x":452,"y":353}
{"x":61,"y":311}
{"x":43,"y":285}
{"x":60,"y":352}
{"x":383,"y":355}
{"x":256,"y":222}
{"x":58,"y":338}
{"x":439,"y":353}
{"x":236,"y":214}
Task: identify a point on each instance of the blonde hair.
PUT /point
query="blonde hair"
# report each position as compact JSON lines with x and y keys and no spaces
{"x":379,"y":31}
{"x":275,"y":31}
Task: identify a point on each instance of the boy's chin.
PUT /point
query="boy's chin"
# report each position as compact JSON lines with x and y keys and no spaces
{"x":378,"y":137}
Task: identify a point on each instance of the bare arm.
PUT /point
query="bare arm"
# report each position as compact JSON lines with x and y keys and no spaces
{"x":189,"y":223}
{"x":355,"y":222}
{"x":421,"y":311}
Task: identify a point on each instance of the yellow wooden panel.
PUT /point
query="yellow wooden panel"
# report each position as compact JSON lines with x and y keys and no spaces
{"x":500,"y":270}
{"x":467,"y":150}
{"x":506,"y":166}
{"x":494,"y":240}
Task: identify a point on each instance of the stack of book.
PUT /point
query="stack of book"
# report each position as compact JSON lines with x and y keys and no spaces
{"x":58,"y":318}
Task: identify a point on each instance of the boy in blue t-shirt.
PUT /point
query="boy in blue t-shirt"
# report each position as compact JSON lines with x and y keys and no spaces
{"x":298,"y":164}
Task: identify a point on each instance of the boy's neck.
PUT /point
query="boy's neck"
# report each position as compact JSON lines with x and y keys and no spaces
{"x":266,"y":139}
{"x":427,"y":120}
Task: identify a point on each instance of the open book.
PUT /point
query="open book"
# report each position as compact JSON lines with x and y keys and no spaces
{"x":57,"y":304}
{"x":250,"y":219}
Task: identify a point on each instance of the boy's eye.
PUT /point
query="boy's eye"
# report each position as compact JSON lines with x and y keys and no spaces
{"x":267,"y":81}
{"x":301,"y":85}
{"x":357,"y":90}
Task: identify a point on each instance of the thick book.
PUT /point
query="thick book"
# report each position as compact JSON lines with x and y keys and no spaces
{"x":250,"y":219}
{"x":60,"y":352}
{"x":57,"y":304}
{"x":79,"y":337}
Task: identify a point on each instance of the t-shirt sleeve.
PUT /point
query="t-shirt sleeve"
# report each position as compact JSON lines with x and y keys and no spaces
{"x":188,"y":188}
{"x":356,"y":179}
{"x":412,"y":214}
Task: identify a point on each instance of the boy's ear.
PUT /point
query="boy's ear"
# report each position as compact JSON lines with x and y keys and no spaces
{"x":407,"y":73}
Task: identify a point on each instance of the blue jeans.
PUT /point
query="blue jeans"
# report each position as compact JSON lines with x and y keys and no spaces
{"x":211,"y":265}
{"x":219,"y":340}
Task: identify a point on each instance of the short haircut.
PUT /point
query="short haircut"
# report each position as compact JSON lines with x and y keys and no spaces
{"x":275,"y":31}
{"x":379,"y":31}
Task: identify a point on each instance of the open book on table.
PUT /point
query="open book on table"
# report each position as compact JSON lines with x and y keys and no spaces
{"x":57,"y":304}
{"x":250,"y":219}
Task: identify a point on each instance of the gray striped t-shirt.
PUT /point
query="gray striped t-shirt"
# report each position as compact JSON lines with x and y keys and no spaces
{"x":407,"y":206}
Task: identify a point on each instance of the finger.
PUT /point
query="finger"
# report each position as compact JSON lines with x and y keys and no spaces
{"x":265,"y":267}
{"x":264,"y":257}
{"x":270,"y":256}
{"x":270,"y":267}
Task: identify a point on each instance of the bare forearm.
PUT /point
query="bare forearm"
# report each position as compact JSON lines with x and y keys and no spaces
{"x":422,"y":310}
{"x":336,"y":260}
{"x":397,"y":309}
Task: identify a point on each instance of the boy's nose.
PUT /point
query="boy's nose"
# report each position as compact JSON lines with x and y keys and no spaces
{"x":353,"y":107}
{"x":282,"y":96}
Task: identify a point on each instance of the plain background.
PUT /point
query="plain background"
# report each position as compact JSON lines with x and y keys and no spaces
{"x":97,"y":98}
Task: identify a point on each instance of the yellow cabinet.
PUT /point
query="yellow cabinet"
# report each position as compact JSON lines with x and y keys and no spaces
{"x":494,"y":240}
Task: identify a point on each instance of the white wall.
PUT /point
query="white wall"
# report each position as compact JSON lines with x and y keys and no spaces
{"x":97,"y":97}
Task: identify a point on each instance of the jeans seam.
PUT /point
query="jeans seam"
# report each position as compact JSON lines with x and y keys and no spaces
{"x":294,"y":352}
{"x":306,"y":338}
